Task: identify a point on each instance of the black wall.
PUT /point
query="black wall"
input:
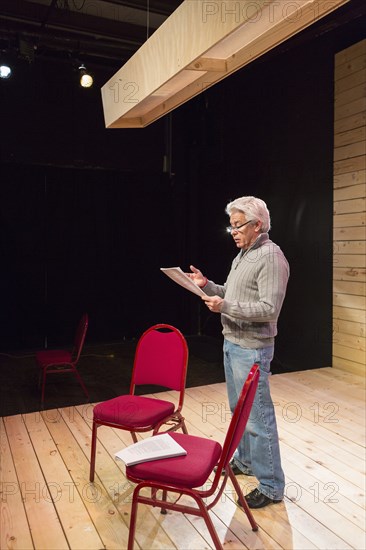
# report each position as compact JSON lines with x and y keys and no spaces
{"x":268,"y":131}
{"x":88,"y":216}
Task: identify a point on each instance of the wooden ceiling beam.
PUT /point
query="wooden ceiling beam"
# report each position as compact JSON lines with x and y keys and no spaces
{"x":200,"y":44}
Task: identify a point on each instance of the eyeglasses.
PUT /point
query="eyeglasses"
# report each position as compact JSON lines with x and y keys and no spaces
{"x":230,"y":229}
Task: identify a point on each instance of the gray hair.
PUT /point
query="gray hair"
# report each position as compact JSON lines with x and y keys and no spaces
{"x":253,"y":208}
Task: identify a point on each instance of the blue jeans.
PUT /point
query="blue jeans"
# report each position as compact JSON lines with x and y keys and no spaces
{"x":258,"y":452}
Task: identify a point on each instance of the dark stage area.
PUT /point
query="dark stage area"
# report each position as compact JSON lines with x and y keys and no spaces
{"x":106,"y":371}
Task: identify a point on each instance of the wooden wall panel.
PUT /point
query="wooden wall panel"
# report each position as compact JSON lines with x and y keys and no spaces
{"x":349,"y":246}
{"x":350,"y":122}
{"x":349,"y":274}
{"x":352,"y":136}
{"x":350,"y":192}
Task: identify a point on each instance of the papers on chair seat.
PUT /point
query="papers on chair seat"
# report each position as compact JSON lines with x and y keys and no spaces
{"x":152,"y":448}
{"x":182,"y":279}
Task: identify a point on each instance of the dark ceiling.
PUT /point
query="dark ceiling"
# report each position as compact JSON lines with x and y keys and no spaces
{"x":108,"y":32}
{"x":95,"y":31}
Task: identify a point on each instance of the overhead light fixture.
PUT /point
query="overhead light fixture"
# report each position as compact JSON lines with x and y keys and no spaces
{"x":5,"y":71}
{"x":86,"y":79}
{"x":200,"y":44}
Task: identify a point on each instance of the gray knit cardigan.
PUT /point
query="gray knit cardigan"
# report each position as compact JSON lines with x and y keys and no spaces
{"x":253,"y":294}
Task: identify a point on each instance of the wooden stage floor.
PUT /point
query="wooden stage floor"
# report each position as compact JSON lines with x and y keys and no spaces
{"x":48,"y":503}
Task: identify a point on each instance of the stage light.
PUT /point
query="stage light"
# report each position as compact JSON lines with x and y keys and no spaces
{"x":5,"y":71}
{"x":86,"y":79}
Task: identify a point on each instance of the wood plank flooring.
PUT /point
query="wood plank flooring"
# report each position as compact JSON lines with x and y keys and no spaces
{"x":47,"y":501}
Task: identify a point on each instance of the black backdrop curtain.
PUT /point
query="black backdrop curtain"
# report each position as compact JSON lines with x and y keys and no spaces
{"x":84,"y":240}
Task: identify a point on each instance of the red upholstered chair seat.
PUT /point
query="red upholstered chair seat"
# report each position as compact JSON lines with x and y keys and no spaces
{"x":52,"y":357}
{"x":191,"y":470}
{"x":132,"y":411}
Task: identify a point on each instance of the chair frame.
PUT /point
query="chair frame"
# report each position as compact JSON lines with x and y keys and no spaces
{"x":199,"y":495}
{"x":174,"y":421}
{"x":69,"y":366}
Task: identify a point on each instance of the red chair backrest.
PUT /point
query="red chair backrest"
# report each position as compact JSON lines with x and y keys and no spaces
{"x":161,"y":358}
{"x":240,"y":416}
{"x":80,"y":337}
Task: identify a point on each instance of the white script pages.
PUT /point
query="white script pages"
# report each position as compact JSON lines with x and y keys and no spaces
{"x":182,"y":279}
{"x":152,"y":448}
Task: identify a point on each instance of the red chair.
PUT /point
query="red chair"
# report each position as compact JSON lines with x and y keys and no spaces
{"x":185,"y":475}
{"x":61,"y":361}
{"x":161,"y":359}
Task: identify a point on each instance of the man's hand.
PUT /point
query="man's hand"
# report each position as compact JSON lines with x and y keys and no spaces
{"x":197,"y":276}
{"x":214,"y":303}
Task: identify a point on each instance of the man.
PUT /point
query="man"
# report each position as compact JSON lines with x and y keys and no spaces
{"x":249,"y":303}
